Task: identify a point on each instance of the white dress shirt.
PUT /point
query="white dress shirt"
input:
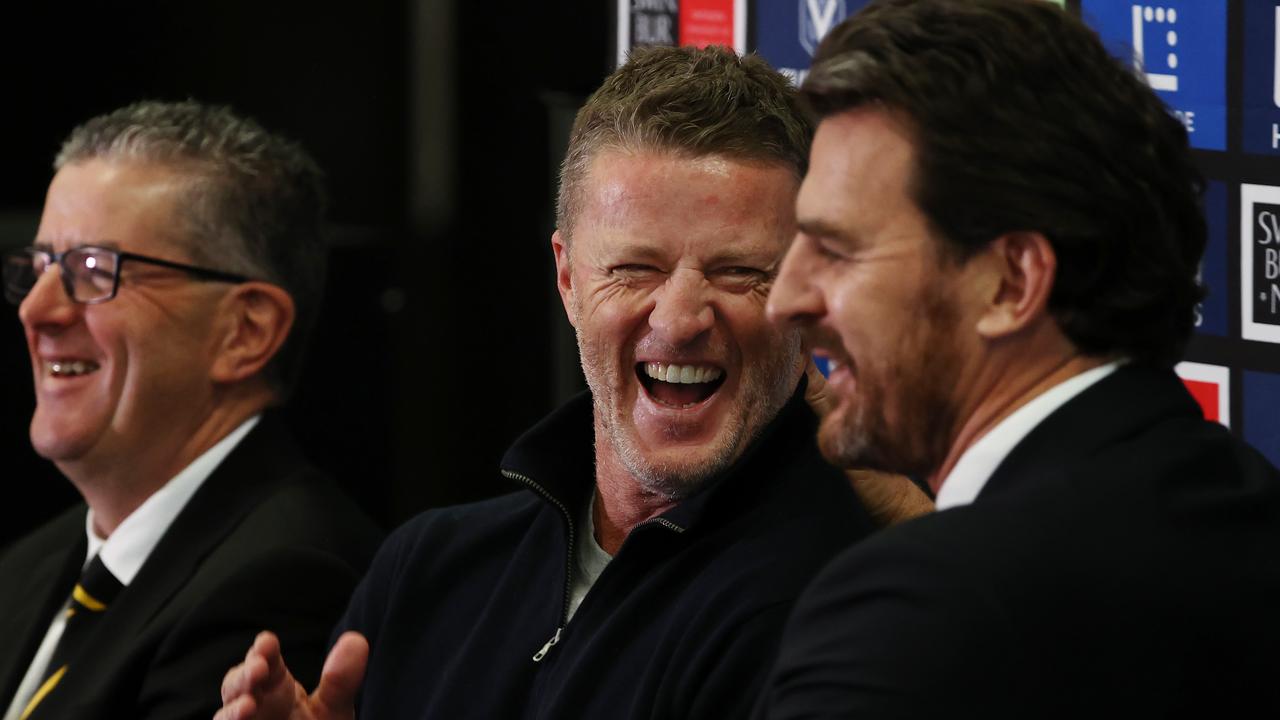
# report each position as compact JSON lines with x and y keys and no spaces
{"x":976,"y":465}
{"x":126,"y":549}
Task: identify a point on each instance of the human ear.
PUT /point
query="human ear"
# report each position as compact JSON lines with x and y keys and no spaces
{"x":1021,"y":268}
{"x":257,"y":318}
{"x":564,"y":275}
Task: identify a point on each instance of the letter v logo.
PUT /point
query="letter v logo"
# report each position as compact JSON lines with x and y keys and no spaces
{"x":817,"y":17}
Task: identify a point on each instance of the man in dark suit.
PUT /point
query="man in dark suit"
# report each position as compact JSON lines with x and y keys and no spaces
{"x":166,"y":299}
{"x":998,"y":249}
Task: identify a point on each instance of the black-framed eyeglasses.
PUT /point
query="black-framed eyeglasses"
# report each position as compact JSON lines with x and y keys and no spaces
{"x":90,"y":274}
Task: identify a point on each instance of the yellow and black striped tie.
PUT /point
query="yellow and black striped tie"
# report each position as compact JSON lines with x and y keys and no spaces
{"x":95,"y":590}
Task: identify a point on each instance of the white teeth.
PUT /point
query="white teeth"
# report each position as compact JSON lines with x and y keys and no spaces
{"x":682,"y":374}
{"x":71,"y":368}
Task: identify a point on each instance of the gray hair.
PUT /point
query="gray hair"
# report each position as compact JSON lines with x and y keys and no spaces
{"x":255,"y":201}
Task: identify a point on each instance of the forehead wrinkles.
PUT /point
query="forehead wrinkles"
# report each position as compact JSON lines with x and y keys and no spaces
{"x":687,"y":198}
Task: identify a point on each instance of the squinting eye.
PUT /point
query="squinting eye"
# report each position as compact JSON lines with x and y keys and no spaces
{"x":634,"y":271}
{"x":741,"y":274}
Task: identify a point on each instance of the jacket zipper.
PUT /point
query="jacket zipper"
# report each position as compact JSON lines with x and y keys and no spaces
{"x":568,"y":563}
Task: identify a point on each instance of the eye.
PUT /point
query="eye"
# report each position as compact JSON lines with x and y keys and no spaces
{"x":634,"y":271}
{"x":829,"y":250}
{"x":742,"y":277}
{"x":742,"y":272}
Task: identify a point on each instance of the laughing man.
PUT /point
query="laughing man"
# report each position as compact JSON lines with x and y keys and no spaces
{"x":665,"y":521}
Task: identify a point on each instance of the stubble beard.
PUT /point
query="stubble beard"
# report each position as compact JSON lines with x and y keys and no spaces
{"x":762,"y":394}
{"x":859,"y":435}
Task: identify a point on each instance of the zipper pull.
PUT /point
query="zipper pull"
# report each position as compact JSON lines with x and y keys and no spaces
{"x":537,"y":657}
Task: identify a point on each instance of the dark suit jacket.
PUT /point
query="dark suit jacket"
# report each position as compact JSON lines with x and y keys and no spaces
{"x":1123,"y":560}
{"x":265,"y":543}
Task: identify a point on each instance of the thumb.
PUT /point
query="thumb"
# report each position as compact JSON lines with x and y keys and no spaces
{"x":341,"y":677}
{"x":816,"y":393}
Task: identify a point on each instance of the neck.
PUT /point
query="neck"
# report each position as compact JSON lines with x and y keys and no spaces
{"x":621,"y":502}
{"x":1010,"y":386}
{"x":115,"y":487}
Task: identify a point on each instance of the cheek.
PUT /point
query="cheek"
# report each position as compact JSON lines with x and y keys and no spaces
{"x":613,"y":316}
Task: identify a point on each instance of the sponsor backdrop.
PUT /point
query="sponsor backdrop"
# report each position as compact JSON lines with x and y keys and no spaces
{"x":1215,"y":63}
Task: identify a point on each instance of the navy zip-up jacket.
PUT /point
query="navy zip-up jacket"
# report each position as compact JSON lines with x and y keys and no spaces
{"x":682,"y":623}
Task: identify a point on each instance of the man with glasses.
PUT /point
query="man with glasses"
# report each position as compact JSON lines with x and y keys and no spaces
{"x":166,"y":301}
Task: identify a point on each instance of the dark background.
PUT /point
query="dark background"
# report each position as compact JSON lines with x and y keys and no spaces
{"x":440,"y":124}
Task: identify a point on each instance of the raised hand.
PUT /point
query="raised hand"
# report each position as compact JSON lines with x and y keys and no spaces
{"x":262,"y":688}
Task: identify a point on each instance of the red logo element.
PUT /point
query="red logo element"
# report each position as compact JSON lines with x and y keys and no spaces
{"x":1205,"y":393}
{"x":706,"y":22}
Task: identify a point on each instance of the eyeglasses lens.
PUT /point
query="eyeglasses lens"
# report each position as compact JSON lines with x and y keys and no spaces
{"x":88,"y":274}
{"x":19,"y":275}
{"x":93,"y":273}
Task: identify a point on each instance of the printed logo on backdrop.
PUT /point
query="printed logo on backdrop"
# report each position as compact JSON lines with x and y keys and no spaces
{"x":1261,"y":117}
{"x":1260,"y":263}
{"x":1211,"y":313}
{"x":787,"y":32}
{"x":646,"y":22}
{"x":1210,"y":385}
{"x":817,"y":17}
{"x":1181,"y":46}
{"x":681,"y":22}
{"x":714,"y":22}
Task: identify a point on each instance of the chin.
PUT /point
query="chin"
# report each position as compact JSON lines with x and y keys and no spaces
{"x":681,"y":470}
{"x":55,"y":443}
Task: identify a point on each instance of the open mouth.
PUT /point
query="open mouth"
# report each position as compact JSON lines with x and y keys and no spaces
{"x":679,"y":386}
{"x":70,"y":368}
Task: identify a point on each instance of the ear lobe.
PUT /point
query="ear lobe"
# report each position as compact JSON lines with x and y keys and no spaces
{"x":1024,"y":266}
{"x":564,"y":275}
{"x":258,"y":318}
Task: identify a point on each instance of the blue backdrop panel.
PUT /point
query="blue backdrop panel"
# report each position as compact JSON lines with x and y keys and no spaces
{"x":1261,"y":399}
{"x":1261,"y":131}
{"x":1182,"y":46}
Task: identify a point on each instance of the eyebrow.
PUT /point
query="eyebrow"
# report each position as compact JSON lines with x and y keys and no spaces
{"x":820,"y":228}
{"x":48,"y":246}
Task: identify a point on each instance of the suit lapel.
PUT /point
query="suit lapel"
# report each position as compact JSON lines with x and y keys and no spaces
{"x":47,"y":582}
{"x":1119,"y":405}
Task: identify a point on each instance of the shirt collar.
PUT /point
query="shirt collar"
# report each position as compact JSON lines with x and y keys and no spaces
{"x":128,"y":547}
{"x":977,"y":464}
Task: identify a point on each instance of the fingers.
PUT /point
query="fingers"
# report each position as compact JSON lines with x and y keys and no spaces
{"x":244,"y":685}
{"x":889,"y":498}
{"x":342,"y":675}
{"x":816,"y":393}
{"x":242,"y":708}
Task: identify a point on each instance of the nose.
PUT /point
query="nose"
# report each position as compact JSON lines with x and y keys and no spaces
{"x":794,"y":299}
{"x":682,"y":311}
{"x":47,"y":304}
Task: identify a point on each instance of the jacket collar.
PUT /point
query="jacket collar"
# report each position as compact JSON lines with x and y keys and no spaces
{"x":1118,"y":406}
{"x":558,"y":456}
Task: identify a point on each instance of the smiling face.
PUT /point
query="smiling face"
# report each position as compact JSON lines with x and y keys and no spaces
{"x":665,"y":281}
{"x":866,"y":283}
{"x":119,"y":381}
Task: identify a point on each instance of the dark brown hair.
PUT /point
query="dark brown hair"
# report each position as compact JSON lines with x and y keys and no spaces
{"x":1022,"y":121}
